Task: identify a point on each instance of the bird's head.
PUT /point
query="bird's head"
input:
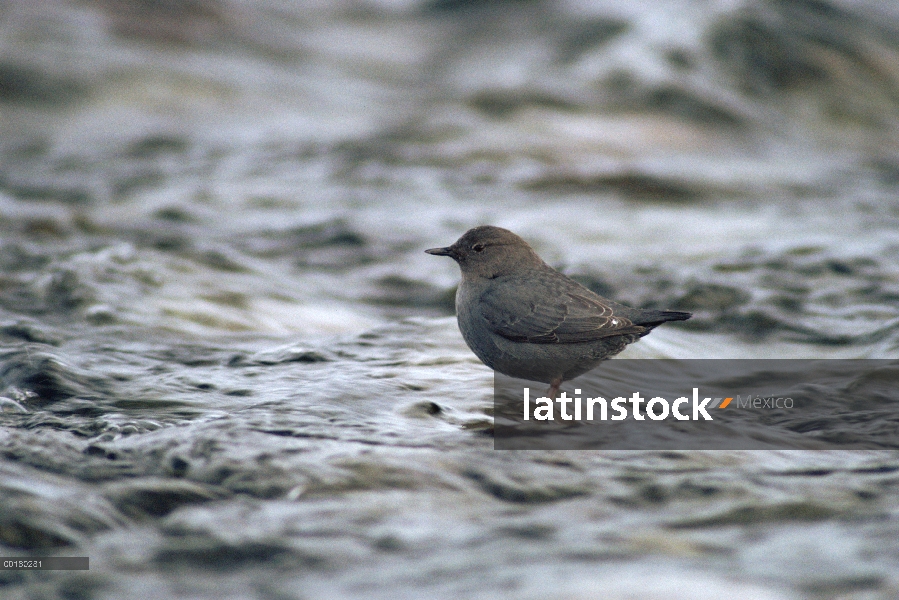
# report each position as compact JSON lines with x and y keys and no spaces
{"x":489,"y":252}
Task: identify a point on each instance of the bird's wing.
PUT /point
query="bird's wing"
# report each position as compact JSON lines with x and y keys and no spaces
{"x":568,"y":315}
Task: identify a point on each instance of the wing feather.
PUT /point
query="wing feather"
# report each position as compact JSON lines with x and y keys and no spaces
{"x":572,"y":314}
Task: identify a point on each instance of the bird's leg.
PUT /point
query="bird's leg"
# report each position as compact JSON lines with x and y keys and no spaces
{"x":554,"y":388}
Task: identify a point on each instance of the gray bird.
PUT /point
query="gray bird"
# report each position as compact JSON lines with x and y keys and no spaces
{"x":524,"y":319}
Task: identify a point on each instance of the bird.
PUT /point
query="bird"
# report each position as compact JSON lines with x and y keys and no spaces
{"x":526,"y":320}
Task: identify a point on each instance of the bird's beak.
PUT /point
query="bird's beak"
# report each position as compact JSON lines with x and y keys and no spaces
{"x":448,"y":251}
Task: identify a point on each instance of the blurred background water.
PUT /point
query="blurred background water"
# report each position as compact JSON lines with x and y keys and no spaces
{"x":228,"y":370}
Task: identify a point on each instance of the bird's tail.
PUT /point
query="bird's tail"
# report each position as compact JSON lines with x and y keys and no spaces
{"x":652,"y":318}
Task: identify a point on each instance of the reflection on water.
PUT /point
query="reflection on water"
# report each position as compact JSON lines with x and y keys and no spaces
{"x":227,"y":369}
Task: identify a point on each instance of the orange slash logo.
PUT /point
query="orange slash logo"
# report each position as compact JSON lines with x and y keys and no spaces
{"x":720,"y":402}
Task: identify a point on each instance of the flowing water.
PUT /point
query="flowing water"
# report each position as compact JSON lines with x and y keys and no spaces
{"x":228,"y":370}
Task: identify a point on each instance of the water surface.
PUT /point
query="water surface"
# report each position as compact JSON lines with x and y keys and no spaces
{"x":228,"y":370}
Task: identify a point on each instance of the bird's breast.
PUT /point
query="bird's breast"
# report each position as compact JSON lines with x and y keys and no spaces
{"x":474,"y":328}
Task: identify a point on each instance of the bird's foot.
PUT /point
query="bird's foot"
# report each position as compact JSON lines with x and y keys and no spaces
{"x":553,"y":390}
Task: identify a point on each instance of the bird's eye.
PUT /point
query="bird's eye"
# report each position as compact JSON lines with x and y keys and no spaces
{"x":478,"y":247}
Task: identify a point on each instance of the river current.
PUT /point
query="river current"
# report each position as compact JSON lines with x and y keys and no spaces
{"x":228,"y":369}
